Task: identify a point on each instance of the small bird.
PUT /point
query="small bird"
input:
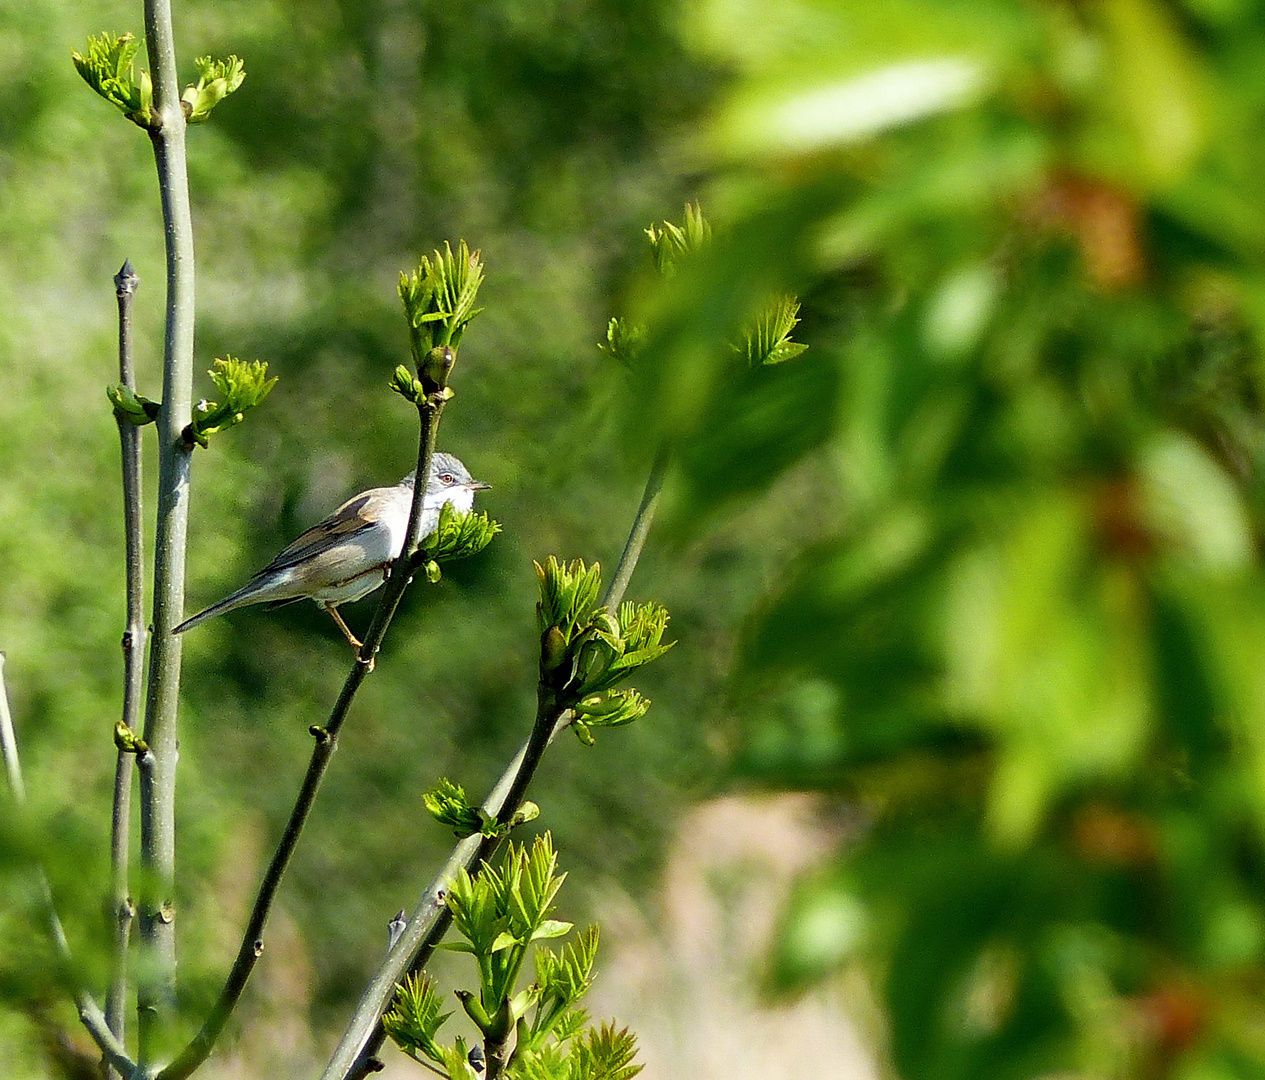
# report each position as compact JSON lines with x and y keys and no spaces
{"x":346,"y":556}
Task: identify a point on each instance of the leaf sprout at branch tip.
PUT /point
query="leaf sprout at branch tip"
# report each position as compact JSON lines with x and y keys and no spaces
{"x":438,"y":299}
{"x":539,"y":1032}
{"x":585,"y":651}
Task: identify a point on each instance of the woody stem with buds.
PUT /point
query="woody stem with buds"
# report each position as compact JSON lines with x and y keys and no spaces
{"x":156,"y":988}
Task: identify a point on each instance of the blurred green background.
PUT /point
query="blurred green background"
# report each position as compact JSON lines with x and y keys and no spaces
{"x":980,"y":571}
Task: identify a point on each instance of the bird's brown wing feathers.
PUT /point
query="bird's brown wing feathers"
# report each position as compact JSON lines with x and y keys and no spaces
{"x":342,"y":524}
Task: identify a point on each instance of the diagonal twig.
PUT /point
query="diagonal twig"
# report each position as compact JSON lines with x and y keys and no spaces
{"x":430,"y":409}
{"x":355,"y":1055}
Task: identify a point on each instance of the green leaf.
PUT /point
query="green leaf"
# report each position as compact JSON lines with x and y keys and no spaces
{"x":564,"y":977}
{"x":456,"y":946}
{"x":606,"y":1054}
{"x":477,"y":912}
{"x":535,"y":884}
{"x":521,"y":1002}
{"x":446,"y":802}
{"x":612,"y":708}
{"x":458,"y":536}
{"x":642,"y":625}
{"x":107,"y":68}
{"x":625,"y":339}
{"x":242,"y":385}
{"x":551,"y":928}
{"x":768,"y":339}
{"x":415,"y":1017}
{"x":438,"y":299}
{"x":131,"y":406}
{"x":504,"y":941}
{"x":568,"y":593}
{"x":216,"y":80}
{"x":670,"y":243}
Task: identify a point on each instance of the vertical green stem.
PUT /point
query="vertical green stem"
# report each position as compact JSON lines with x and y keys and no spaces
{"x":122,"y":910}
{"x":158,"y":780}
{"x":640,"y":529}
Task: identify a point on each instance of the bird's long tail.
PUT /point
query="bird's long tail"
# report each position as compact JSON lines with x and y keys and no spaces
{"x":253,"y":592}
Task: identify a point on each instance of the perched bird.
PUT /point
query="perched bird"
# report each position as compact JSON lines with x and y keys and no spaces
{"x":346,"y":556}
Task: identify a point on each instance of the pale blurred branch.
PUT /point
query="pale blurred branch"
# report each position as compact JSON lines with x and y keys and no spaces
{"x":89,"y":1012}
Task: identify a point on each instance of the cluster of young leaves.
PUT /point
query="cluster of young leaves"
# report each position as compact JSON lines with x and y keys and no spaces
{"x":457,"y":536}
{"x":670,"y":243}
{"x":446,"y":802}
{"x":585,"y":651}
{"x":500,"y":914}
{"x":242,"y":385}
{"x":108,"y":67}
{"x":216,"y":80}
{"x":438,"y":300}
{"x":764,"y":340}
{"x":767,"y":339}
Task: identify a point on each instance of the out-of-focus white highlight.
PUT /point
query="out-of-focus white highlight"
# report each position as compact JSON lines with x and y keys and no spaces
{"x":862,"y":105}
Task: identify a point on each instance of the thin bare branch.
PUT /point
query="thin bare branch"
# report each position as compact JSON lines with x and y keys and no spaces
{"x":122,"y":909}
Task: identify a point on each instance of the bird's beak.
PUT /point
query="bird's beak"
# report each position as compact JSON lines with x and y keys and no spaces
{"x":479,"y":485}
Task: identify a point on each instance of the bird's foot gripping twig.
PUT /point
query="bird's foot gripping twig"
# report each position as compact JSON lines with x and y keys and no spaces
{"x":351,"y":638}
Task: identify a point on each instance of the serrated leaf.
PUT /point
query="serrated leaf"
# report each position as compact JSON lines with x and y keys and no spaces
{"x":551,"y":928}
{"x":415,"y":1017}
{"x":767,"y":340}
{"x":458,"y":536}
{"x":439,"y":298}
{"x":504,"y":940}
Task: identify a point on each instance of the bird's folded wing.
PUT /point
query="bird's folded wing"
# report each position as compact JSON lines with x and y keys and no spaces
{"x":342,"y":525}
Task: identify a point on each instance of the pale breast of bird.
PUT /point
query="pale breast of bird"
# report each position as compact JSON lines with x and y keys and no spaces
{"x":357,"y":563}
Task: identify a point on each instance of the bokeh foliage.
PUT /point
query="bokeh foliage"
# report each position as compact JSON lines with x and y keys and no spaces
{"x":1024,"y":645}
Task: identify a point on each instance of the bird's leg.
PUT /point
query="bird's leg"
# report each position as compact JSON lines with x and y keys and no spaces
{"x":351,"y":638}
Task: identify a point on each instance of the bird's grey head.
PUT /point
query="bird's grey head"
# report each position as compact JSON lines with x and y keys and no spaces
{"x":447,"y":473}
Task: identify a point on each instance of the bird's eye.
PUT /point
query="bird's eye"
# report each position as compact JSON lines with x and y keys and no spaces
{"x":446,"y":478}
